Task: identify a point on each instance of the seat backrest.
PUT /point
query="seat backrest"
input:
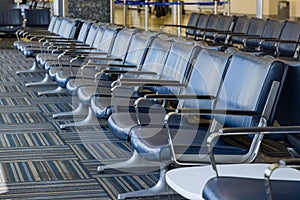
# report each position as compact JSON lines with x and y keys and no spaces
{"x":57,"y":24}
{"x":121,"y":43}
{"x":193,"y":20}
{"x":106,"y":42}
{"x":65,"y":27}
{"x":212,"y":22}
{"x":288,"y":106}
{"x":225,"y":23}
{"x":202,"y":22}
{"x":255,"y":28}
{"x":69,"y":29}
{"x":178,"y":63}
{"x":246,"y":86}
{"x":241,"y":25}
{"x":95,"y":35}
{"x":138,"y":48}
{"x":272,"y":29}
{"x":206,"y":76}
{"x":37,"y":18}
{"x":157,"y":54}
{"x":10,"y":17}
{"x":84,"y":31}
{"x":52,"y":23}
{"x":291,"y":32}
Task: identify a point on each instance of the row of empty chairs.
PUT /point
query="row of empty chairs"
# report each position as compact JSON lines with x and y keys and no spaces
{"x":274,"y":37}
{"x":169,"y":97}
{"x":12,"y":20}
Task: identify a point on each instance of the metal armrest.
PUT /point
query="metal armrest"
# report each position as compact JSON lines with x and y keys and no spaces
{"x":223,"y":32}
{"x":178,"y":96}
{"x":86,"y":56}
{"x":104,"y":68}
{"x":76,"y":50}
{"x":246,"y":131}
{"x":166,"y":97}
{"x":265,"y":130}
{"x":68,"y":45}
{"x":180,"y":26}
{"x":153,"y":83}
{"x":270,"y":39}
{"x":206,"y":29}
{"x":151,"y":79}
{"x":238,"y":34}
{"x":291,"y":163}
{"x":288,"y":41}
{"x":61,"y":40}
{"x":126,"y":72}
{"x":172,"y":97}
{"x":117,"y":65}
{"x":252,"y":37}
{"x":193,"y":111}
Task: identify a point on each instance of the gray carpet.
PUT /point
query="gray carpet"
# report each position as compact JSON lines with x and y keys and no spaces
{"x":40,"y":161}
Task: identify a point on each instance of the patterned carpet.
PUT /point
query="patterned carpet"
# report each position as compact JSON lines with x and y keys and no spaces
{"x":40,"y":161}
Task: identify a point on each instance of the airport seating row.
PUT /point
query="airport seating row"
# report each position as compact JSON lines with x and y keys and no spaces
{"x":274,"y":37}
{"x":175,"y":100}
{"x":12,"y":20}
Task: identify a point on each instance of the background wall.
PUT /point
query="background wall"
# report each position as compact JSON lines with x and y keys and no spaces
{"x":90,"y":9}
{"x":6,"y":4}
{"x":248,"y":7}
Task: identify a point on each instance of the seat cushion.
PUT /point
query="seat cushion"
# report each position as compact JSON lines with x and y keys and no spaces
{"x":85,"y":93}
{"x":229,"y":188}
{"x":102,"y":109}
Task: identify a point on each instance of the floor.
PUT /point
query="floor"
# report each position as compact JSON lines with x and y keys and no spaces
{"x":38,"y":160}
{"x":137,"y":19}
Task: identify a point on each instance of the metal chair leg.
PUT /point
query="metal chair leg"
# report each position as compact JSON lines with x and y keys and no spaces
{"x":90,"y":120}
{"x":46,"y":81}
{"x":58,"y":90}
{"x":134,"y":162}
{"x":80,"y":110}
{"x":160,"y":188}
{"x":34,"y":68}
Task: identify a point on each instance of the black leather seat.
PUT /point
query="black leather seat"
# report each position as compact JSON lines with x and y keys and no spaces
{"x":210,"y":25}
{"x":10,"y":20}
{"x":153,"y":62}
{"x":234,"y":26}
{"x":278,"y":182}
{"x":68,"y":29}
{"x":202,"y":23}
{"x":152,"y":142}
{"x":135,"y":46}
{"x":255,"y":29}
{"x":245,"y":188}
{"x":272,"y":30}
{"x":22,"y":34}
{"x":176,"y":68}
{"x":285,"y":47}
{"x":215,"y":36}
{"x":193,"y":20}
{"x":56,"y":62}
{"x":85,"y":74}
{"x":58,"y":46}
{"x":37,"y":18}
